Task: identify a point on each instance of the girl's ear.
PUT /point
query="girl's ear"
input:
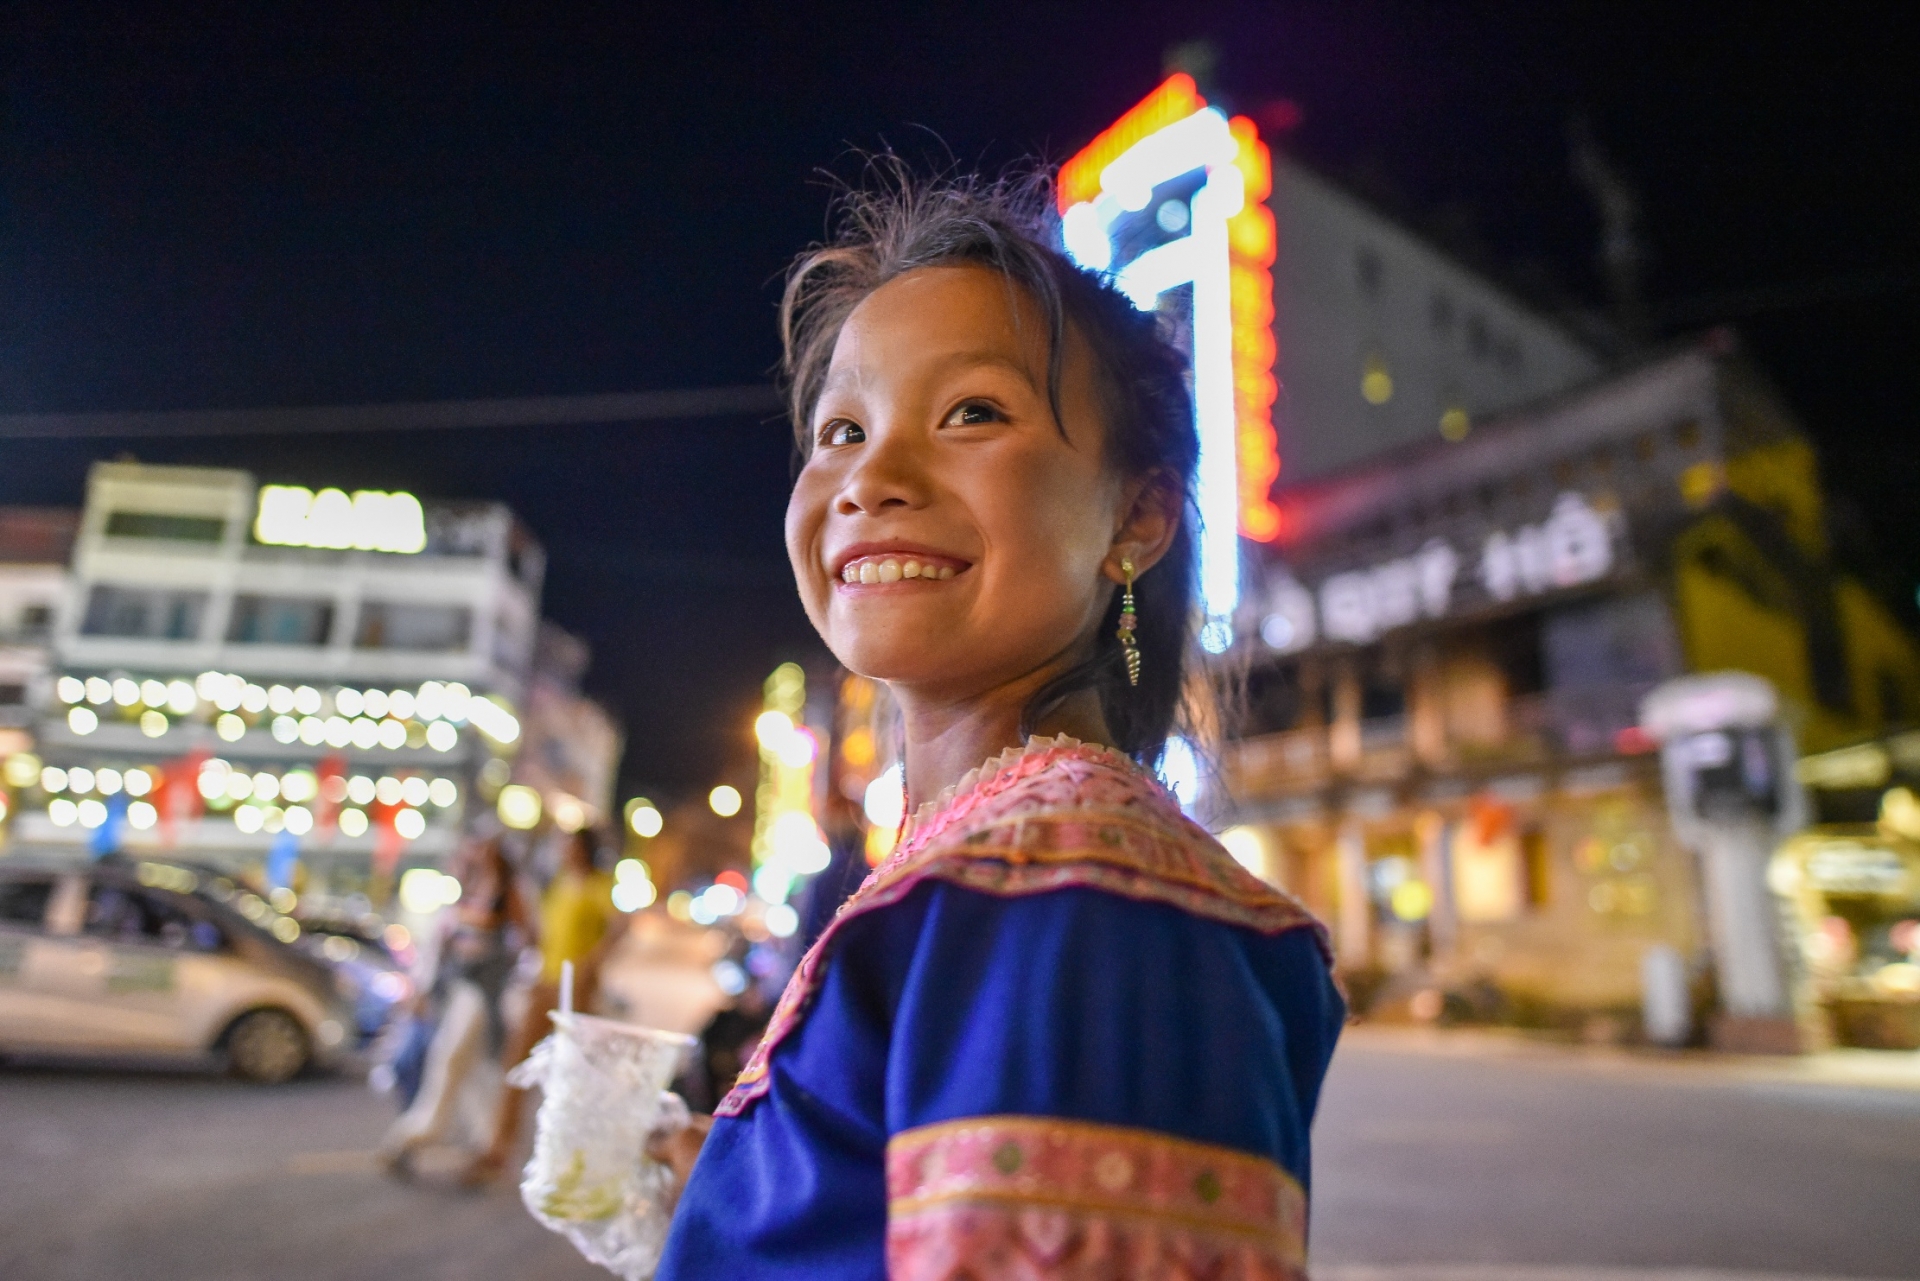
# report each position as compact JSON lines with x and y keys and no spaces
{"x":1150,"y":518}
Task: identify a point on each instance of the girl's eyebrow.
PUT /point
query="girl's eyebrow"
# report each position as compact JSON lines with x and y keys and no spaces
{"x":945,"y":366}
{"x":963,"y":360}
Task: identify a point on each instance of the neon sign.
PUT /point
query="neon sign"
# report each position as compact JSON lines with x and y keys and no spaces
{"x":1573,"y":546}
{"x":369,"y":521}
{"x":1174,"y":165}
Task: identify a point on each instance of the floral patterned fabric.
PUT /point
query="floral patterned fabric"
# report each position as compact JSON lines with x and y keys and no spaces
{"x":1060,"y":814}
{"x":1059,"y":1034}
{"x":1032,"y":1198}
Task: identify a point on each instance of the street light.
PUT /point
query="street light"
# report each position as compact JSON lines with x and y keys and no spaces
{"x":724,"y":800}
{"x":643,"y":818}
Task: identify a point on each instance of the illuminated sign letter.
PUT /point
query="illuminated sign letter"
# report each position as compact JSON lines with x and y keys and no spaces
{"x":371,"y":520}
{"x":1188,"y":184}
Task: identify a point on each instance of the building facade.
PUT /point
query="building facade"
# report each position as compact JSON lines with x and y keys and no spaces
{"x":35,"y":545}
{"x":241,"y":671}
{"x":1448,"y":654}
{"x":1382,"y":341}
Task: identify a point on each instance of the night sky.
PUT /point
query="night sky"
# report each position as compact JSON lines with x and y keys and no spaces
{"x":315,"y":204}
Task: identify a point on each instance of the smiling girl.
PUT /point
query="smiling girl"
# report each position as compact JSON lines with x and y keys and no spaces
{"x":1058,"y":1032}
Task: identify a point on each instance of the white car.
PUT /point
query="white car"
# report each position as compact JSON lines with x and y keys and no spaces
{"x":146,"y":959}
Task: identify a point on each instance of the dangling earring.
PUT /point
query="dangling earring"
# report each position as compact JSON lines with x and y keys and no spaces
{"x":1129,"y":620}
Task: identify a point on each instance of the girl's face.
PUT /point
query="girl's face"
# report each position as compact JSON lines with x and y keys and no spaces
{"x":946,"y":533}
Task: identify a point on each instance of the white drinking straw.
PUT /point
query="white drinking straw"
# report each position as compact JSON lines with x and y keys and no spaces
{"x":566,"y":987}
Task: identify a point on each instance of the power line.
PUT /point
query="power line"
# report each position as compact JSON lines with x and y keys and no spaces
{"x":754,"y":399}
{"x":1742,"y":304}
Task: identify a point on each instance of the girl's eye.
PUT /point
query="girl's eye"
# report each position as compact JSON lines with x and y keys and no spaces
{"x":842,"y":432}
{"x":974,"y":413}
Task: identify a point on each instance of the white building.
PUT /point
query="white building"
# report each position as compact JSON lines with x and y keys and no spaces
{"x":35,"y":543}
{"x":239,"y":667}
{"x":1383,"y":340}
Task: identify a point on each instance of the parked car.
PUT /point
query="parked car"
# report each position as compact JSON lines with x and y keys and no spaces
{"x":376,"y":979}
{"x":156,"y":959}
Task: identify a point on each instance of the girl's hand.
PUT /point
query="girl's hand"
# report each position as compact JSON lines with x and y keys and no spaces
{"x":677,"y":1150}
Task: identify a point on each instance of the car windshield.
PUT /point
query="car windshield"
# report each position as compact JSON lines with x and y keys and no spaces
{"x":124,"y":914}
{"x":23,"y":900}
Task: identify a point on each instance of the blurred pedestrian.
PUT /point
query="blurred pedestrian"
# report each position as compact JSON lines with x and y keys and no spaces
{"x":578,"y":923}
{"x":730,"y":1038}
{"x":476,"y":958}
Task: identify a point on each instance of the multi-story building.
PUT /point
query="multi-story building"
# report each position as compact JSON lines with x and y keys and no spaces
{"x":35,"y":544}
{"x":241,"y":669}
{"x":1466,"y":551}
{"x":570,"y":748}
{"x":1449,"y":654}
{"x":1381,"y":340}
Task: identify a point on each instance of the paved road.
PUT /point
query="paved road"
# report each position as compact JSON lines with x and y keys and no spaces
{"x":1546,"y":1166}
{"x":179,"y":1177}
{"x":1531,"y":1159}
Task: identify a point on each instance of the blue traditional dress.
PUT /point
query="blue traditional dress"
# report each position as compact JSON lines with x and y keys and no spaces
{"x":1058,"y":1033}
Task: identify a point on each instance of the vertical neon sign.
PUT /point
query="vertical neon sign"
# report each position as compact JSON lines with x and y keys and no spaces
{"x":1173,"y":164}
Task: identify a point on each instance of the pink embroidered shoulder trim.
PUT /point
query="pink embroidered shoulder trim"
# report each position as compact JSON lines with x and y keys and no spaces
{"x":1039,"y":1198}
{"x":1060,"y":815}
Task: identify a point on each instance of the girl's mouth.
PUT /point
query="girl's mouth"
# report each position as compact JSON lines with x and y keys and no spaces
{"x":897,"y":567}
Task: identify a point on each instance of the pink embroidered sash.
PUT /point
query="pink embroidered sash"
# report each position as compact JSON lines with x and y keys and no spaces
{"x":1060,"y":814}
{"x":1040,"y":1199}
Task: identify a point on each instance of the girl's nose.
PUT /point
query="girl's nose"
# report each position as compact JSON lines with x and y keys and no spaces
{"x":889,"y":475}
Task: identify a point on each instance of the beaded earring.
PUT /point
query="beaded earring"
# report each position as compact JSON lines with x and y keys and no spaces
{"x":1129,"y":620}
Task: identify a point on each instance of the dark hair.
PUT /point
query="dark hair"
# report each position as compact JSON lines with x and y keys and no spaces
{"x":587,"y":841}
{"x":899,"y":224}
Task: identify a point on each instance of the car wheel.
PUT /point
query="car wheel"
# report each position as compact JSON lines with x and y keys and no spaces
{"x":268,"y":1046}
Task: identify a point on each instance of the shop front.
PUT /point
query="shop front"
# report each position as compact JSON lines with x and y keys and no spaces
{"x":1443,"y":751}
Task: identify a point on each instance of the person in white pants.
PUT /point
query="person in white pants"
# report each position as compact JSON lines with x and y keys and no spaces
{"x":462,"y":1082}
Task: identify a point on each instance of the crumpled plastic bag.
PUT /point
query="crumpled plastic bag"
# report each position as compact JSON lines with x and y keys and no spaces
{"x":603,"y":1094}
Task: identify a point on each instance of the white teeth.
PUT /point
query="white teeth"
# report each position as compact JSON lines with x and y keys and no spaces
{"x":892,"y":571}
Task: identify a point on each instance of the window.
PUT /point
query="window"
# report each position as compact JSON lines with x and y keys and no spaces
{"x":23,"y":901}
{"x":280,"y":620}
{"x":1477,"y":339}
{"x":1536,"y":860}
{"x":1367,"y":271}
{"x":1383,"y":696}
{"x":1514,"y":645}
{"x":386,"y":625}
{"x":12,"y":695}
{"x":144,"y":612}
{"x":36,"y":621}
{"x":122,"y":914}
{"x":181,"y":529}
{"x":1276,"y":699}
